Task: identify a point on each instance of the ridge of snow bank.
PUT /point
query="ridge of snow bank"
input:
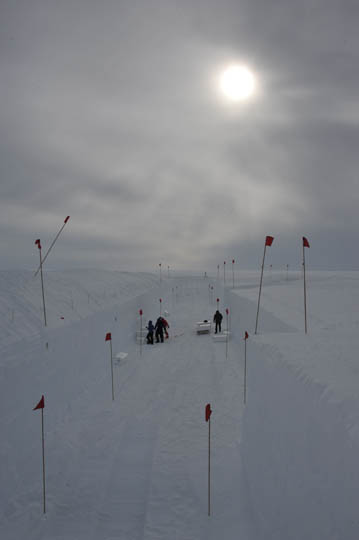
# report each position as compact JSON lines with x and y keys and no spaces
{"x":72,"y":294}
{"x":300,"y":428}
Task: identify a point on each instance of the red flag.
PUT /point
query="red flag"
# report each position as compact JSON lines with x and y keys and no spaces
{"x":227,"y":311}
{"x":269,"y":240}
{"x":305,"y":242}
{"x":108,"y":336}
{"x":40,"y":405}
{"x":37,"y":243}
{"x":161,"y":300}
{"x":217,"y":300}
{"x":140,"y":312}
{"x":246,"y":336}
{"x":233,"y":261}
{"x":224,"y":262}
{"x":208,"y":411}
{"x":66,"y":220}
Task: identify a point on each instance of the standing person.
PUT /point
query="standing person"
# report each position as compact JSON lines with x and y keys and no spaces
{"x":159,"y":330}
{"x":218,"y":320}
{"x":165,"y":327}
{"x":149,"y":336}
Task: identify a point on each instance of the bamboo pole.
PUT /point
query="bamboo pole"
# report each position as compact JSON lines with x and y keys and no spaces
{"x":53,"y":242}
{"x":305,"y":292}
{"x":209,"y":466}
{"x":141,"y":332}
{"x":260,"y":288}
{"x":43,"y":461}
{"x":41,"y":406}
{"x":245,"y":368}
{"x":227,"y":330}
{"x":113,"y":393}
{"x":38,"y":243}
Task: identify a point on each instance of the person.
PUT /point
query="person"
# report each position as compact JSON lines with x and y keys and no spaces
{"x":218,"y":320}
{"x":159,"y":330}
{"x":165,"y":327}
{"x":149,"y":336}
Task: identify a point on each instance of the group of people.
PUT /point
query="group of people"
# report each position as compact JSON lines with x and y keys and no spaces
{"x":160,"y":328}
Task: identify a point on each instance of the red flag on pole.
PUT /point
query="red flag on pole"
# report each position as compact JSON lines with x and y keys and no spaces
{"x":37,"y":243}
{"x":305,"y":242}
{"x":208,"y":411}
{"x":66,"y":219}
{"x":40,"y":405}
{"x":246,"y":336}
{"x":269,"y":240}
{"x":227,"y":311}
{"x":108,"y":336}
{"x":140,"y":312}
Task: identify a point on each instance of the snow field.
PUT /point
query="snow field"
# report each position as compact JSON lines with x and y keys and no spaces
{"x":135,"y":468}
{"x":283,"y":466}
{"x":299,"y":440}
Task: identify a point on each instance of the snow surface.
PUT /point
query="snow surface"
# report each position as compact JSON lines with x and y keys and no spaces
{"x":284,"y":466}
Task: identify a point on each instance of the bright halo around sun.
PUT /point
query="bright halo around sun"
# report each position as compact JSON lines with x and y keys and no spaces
{"x":237,"y":83}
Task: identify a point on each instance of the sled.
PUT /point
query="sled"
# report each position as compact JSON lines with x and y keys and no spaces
{"x":203,"y":327}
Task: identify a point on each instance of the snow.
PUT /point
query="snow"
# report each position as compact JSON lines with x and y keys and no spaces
{"x":283,"y":465}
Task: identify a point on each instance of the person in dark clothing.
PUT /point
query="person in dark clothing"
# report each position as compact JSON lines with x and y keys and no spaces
{"x":159,"y":326}
{"x":149,"y":336}
{"x":218,"y":320}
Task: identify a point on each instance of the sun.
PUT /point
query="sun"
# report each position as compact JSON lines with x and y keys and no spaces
{"x":237,"y":83}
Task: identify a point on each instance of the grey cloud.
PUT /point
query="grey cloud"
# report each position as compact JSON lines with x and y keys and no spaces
{"x":108,"y":114}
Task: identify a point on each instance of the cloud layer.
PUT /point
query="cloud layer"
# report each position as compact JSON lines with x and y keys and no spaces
{"x":110,"y":112}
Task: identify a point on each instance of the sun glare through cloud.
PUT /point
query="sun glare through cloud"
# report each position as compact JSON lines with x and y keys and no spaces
{"x":237,"y":83}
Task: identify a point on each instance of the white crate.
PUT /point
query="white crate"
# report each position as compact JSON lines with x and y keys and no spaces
{"x":203,"y":327}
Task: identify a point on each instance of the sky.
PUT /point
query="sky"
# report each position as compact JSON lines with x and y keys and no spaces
{"x":111,"y":112}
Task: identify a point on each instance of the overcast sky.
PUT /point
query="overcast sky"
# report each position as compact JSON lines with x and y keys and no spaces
{"x":111,"y":113}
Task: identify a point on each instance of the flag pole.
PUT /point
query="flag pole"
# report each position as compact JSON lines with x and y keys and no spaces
{"x":42,"y":281}
{"x":43,"y":460}
{"x":260,"y":288}
{"x":209,"y":465}
{"x":113,"y":394}
{"x":224,"y":273}
{"x":233,"y":271}
{"x":109,"y":338}
{"x":227,"y":312}
{"x":305,"y":292}
{"x":141,"y":332}
{"x":208,"y":413}
{"x":245,"y":367}
{"x":268,"y":242}
{"x":41,"y":406}
{"x":53,"y":242}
